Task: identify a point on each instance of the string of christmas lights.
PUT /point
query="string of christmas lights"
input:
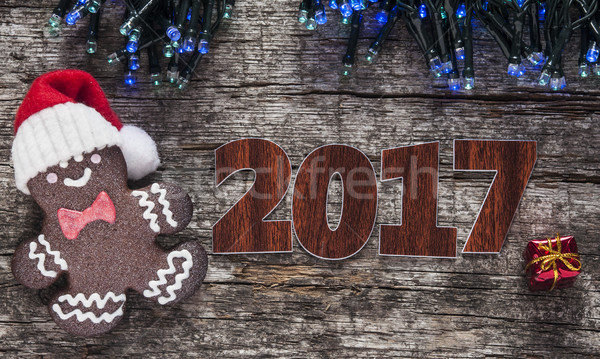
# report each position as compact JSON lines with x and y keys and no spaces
{"x":184,"y":29}
{"x":443,"y":30}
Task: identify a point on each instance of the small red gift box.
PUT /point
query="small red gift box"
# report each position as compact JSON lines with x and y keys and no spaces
{"x":552,"y":263}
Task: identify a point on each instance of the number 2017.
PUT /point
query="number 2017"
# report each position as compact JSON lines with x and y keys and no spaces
{"x":243,"y":228}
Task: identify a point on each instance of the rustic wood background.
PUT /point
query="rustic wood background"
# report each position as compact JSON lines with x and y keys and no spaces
{"x":267,"y":76}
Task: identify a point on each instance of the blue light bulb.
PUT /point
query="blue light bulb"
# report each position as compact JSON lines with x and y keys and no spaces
{"x":382,"y":16}
{"x":93,"y":6}
{"x":203,"y":46}
{"x":469,"y":83}
{"x":189,"y":15}
{"x":542,"y":12}
{"x":435,"y":64}
{"x":333,"y":4}
{"x":536,"y":58}
{"x":516,"y":70}
{"x":356,"y":4}
{"x":132,"y":46}
{"x":485,"y":6}
{"x":593,"y":52}
{"x":446,"y":67}
{"x":422,"y":11}
{"x":320,"y":17}
{"x":72,"y":17}
{"x":188,"y":44}
{"x":454,"y":84}
{"x":134,"y":62}
{"x":558,"y":83}
{"x":584,"y":70}
{"x":544,"y":78}
{"x":461,"y":11}
{"x":130,"y":78}
{"x":346,"y":9}
{"x":173,"y":33}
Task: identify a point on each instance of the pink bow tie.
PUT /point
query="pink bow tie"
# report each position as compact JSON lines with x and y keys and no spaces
{"x":72,"y":222}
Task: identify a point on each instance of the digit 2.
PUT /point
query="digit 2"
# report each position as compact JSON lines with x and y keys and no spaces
{"x":243,"y":228}
{"x":418,"y":234}
{"x":513,"y":163}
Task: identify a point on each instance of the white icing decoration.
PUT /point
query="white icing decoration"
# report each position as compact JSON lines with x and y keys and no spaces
{"x":63,"y":164}
{"x":179,"y":278}
{"x":81,"y":181}
{"x":82,"y":316}
{"x":148,"y":215}
{"x":56,"y":254}
{"x":78,"y":158}
{"x":51,"y":177}
{"x":41,"y":258}
{"x":94,"y":298}
{"x":96,"y":158}
{"x":162,"y":200}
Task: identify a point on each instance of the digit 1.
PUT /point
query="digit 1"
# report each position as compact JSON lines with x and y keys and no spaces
{"x":359,"y":202}
{"x":418,"y":234}
{"x":243,"y":228}
{"x":513,"y":163}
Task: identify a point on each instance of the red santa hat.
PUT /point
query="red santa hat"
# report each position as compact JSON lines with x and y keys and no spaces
{"x":65,"y":114}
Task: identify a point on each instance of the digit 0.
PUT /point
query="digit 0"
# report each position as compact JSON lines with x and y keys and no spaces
{"x":359,"y":202}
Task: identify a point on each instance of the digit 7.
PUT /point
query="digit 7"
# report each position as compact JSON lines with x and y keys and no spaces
{"x":243,"y":228}
{"x":513,"y":163}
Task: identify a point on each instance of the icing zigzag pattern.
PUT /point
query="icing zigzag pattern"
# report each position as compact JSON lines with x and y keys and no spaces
{"x":82,"y":316}
{"x":56,"y":254}
{"x":148,"y":215}
{"x":41,"y":257}
{"x":94,"y":298}
{"x":179,"y":278}
{"x":162,"y":200}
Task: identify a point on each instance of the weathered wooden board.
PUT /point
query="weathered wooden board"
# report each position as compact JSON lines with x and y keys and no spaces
{"x":268,"y":77}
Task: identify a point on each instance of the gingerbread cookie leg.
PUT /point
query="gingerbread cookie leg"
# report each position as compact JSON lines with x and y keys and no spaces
{"x":36,"y":265}
{"x":178,"y":274}
{"x":85,"y":313}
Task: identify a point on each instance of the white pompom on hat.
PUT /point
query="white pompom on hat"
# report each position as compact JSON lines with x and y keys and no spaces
{"x":65,"y":114}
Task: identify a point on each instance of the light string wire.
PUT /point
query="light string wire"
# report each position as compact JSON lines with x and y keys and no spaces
{"x":170,"y":16}
{"x":436,"y":27}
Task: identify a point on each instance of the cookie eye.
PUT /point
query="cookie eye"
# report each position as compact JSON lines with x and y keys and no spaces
{"x":52,"y":177}
{"x":96,"y":158}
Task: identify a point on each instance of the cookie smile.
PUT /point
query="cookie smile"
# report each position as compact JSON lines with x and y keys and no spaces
{"x":81,"y":181}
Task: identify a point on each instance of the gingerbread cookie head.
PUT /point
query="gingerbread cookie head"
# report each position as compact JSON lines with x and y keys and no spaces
{"x":73,"y":155}
{"x":66,"y":115}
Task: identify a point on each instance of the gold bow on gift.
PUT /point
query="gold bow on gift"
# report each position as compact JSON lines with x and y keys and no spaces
{"x":549,"y":261}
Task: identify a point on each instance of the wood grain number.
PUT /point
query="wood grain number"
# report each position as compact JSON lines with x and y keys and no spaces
{"x":243,"y":228}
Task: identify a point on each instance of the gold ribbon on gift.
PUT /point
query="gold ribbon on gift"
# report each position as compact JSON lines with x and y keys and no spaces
{"x":549,"y":261}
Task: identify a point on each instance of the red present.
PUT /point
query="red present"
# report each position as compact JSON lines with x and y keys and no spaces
{"x":552,"y":263}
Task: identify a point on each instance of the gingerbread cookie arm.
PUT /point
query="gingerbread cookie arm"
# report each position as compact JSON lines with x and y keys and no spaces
{"x":36,"y":265}
{"x":167,"y":208}
{"x":174,"y":275}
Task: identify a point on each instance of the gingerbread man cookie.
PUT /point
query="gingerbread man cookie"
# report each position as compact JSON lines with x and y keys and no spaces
{"x":72,"y":154}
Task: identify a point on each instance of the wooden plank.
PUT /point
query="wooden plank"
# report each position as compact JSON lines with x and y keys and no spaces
{"x":268,"y":77}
